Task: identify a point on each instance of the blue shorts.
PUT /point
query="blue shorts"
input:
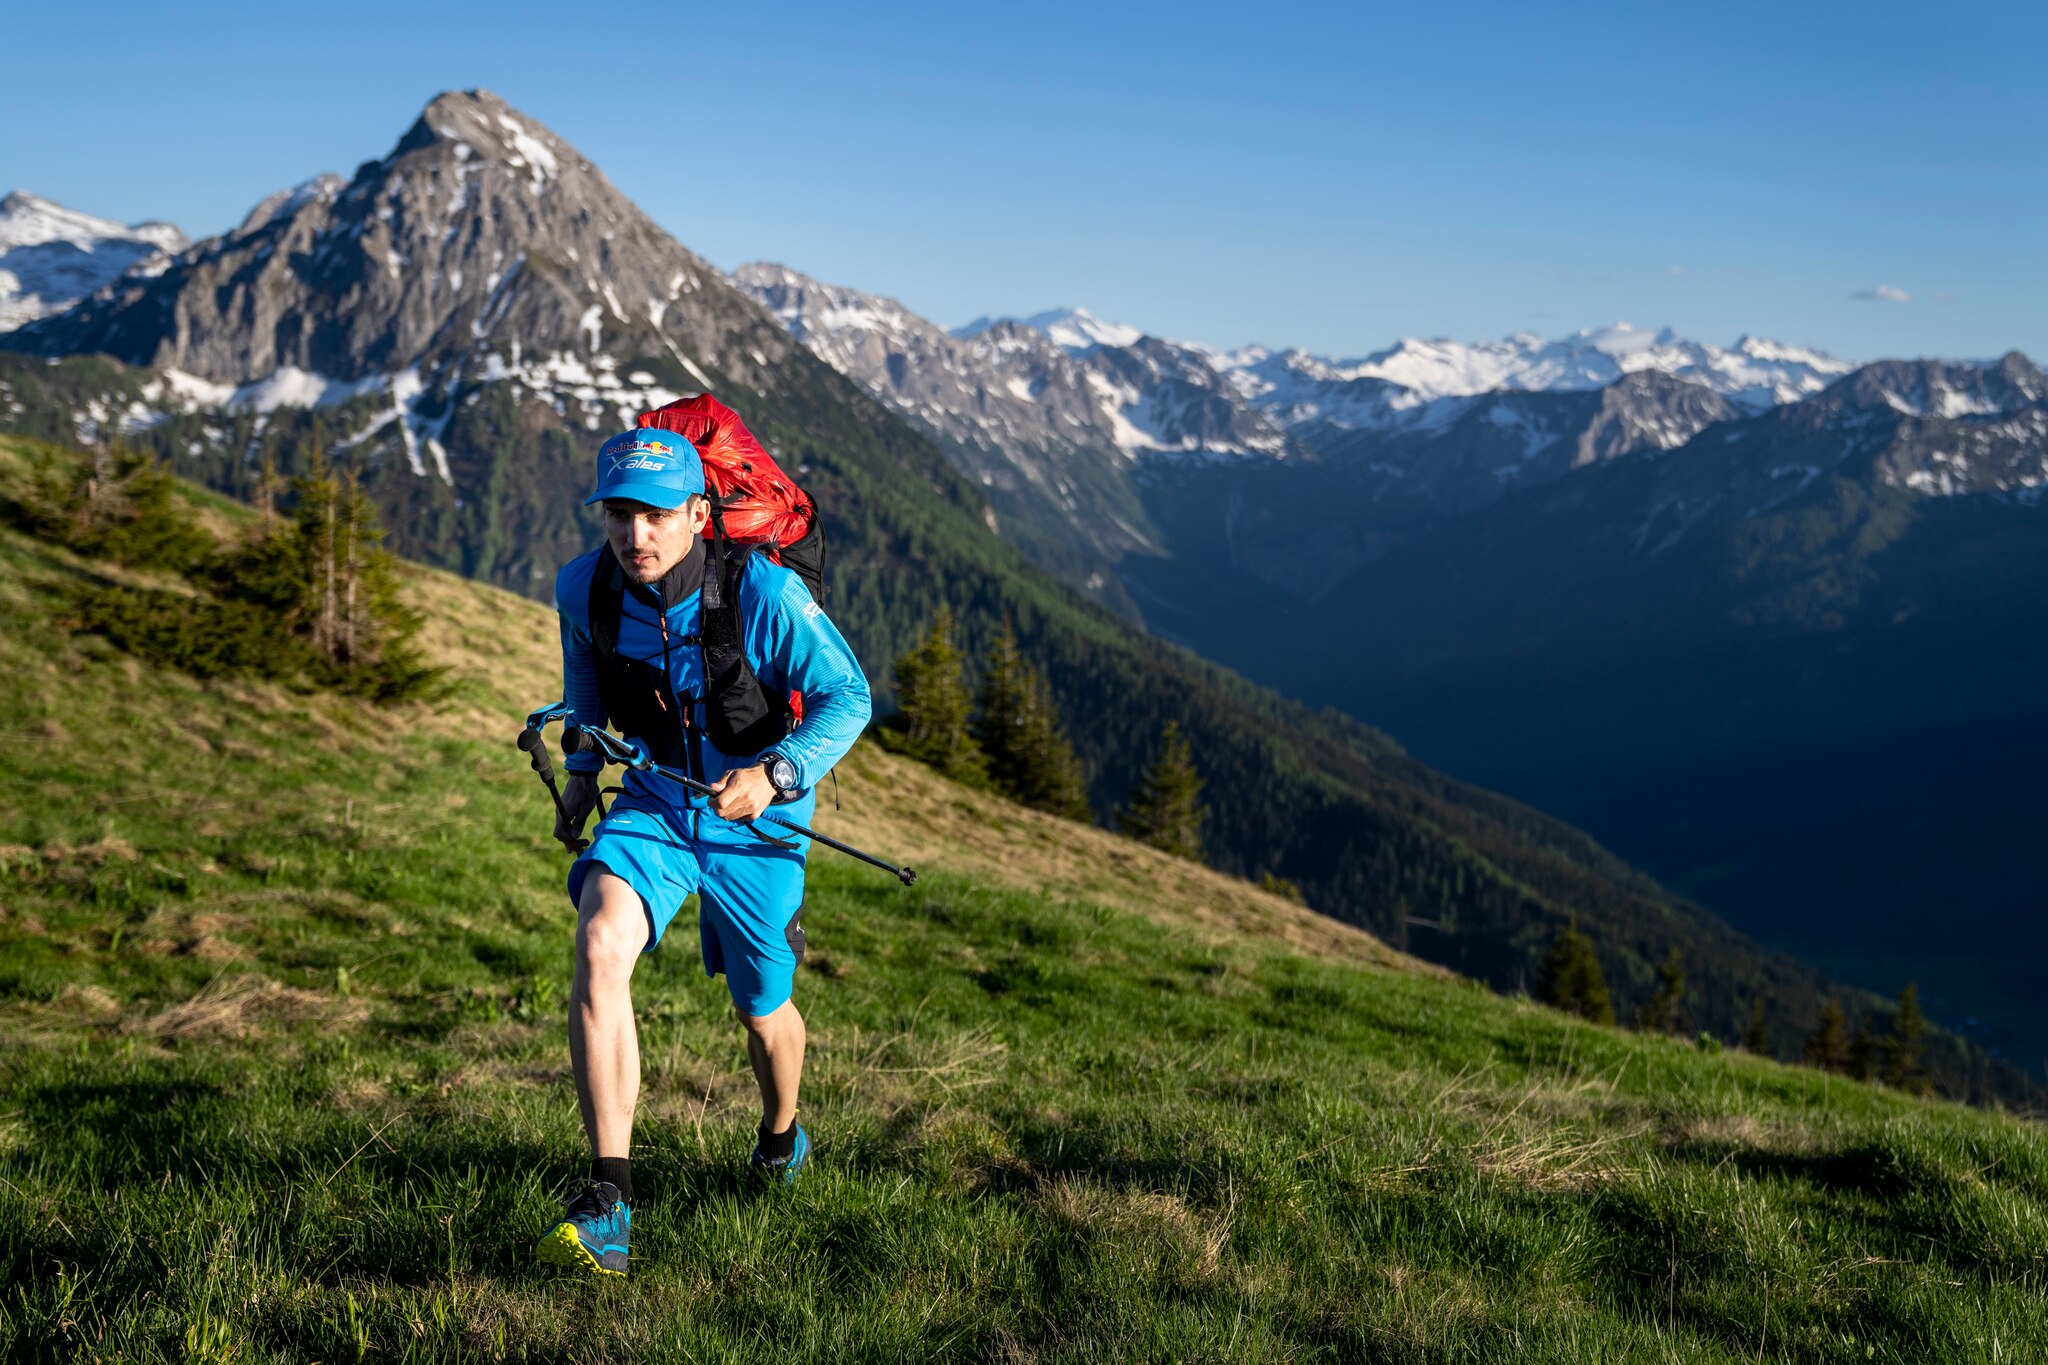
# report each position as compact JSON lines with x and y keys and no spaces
{"x":750,"y":892}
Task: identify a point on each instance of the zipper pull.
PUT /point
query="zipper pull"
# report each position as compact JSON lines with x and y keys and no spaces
{"x":660,"y":696}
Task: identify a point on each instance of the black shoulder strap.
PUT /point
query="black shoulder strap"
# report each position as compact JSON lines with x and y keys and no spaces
{"x":739,"y":714}
{"x":607,"y":603}
{"x":718,"y":600}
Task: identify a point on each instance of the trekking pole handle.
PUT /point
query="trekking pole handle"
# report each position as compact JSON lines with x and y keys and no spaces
{"x":535,"y":746}
{"x":561,"y":710}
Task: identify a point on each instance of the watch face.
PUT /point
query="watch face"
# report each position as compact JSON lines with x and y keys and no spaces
{"x":782,"y":773}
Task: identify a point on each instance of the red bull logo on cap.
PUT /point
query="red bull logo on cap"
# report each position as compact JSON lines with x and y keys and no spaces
{"x":647,"y":466}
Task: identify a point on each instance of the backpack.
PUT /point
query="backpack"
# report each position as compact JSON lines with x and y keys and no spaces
{"x":755,"y":509}
{"x":754,"y":505}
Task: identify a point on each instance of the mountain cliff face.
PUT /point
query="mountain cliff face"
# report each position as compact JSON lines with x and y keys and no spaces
{"x":1016,"y":412}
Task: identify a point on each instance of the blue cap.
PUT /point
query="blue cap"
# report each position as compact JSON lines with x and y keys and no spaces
{"x":648,"y":465}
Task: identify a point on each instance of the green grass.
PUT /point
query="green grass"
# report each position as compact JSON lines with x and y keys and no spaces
{"x":283,"y":1077}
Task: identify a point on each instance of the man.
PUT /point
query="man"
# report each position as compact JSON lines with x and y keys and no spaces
{"x":631,"y":615}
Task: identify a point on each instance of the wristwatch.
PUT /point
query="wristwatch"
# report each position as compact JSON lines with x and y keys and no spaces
{"x":781,"y":773}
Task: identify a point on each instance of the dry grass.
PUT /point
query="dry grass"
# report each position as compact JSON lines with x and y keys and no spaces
{"x":904,"y":807}
{"x":1551,"y":1161}
{"x":1195,"y":1239}
{"x":240,"y":1006}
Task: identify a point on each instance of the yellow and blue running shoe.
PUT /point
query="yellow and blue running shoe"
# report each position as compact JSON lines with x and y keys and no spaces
{"x":592,"y":1233}
{"x":770,"y":1171}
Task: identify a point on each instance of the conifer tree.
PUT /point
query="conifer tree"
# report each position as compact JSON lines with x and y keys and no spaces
{"x":935,"y":705}
{"x":124,"y":508}
{"x":1275,"y":884}
{"x":1901,"y":1047}
{"x":1029,"y":760}
{"x":1862,"y":1063}
{"x":323,"y":571}
{"x":1664,"y":1011}
{"x":1828,"y":1045}
{"x":266,"y":492}
{"x":1165,"y":809}
{"x":1756,"y":1034}
{"x":1571,"y":979}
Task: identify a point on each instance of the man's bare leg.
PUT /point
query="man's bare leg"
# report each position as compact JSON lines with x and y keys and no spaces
{"x":604,"y":1042}
{"x":775,"y":1047}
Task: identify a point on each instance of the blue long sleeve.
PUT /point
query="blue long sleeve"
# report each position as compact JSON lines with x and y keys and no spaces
{"x":579,"y":689}
{"x":798,"y":642}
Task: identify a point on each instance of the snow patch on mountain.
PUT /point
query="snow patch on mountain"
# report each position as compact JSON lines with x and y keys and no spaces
{"x":52,"y":256}
{"x":1755,"y":373}
{"x":1074,"y":329}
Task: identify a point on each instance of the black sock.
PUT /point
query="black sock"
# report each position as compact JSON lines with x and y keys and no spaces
{"x":778,"y":1146}
{"x":614,"y":1170}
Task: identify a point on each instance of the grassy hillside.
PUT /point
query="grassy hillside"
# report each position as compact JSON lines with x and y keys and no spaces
{"x":284,"y":1078}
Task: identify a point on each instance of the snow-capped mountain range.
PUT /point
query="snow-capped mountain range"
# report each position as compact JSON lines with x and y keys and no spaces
{"x":1156,"y":396}
{"x":1754,"y":373}
{"x":1041,"y":409}
{"x":52,"y":256}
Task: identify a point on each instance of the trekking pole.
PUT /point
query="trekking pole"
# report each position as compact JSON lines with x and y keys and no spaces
{"x":633,"y":754}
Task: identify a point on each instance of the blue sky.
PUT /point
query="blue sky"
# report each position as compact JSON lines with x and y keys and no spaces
{"x":1330,"y":178}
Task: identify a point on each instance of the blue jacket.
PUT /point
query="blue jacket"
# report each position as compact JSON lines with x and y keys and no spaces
{"x":791,"y":643}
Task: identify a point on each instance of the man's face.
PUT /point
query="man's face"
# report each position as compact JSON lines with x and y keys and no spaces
{"x":650,"y":541}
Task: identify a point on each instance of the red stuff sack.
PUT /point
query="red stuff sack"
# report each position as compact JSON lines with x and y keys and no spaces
{"x":758,"y":505}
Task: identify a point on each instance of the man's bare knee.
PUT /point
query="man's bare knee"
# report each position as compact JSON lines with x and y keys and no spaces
{"x":612,"y":928}
{"x":762,"y":1025}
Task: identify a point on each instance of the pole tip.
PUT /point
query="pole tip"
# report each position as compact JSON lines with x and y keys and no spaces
{"x":907,"y":875}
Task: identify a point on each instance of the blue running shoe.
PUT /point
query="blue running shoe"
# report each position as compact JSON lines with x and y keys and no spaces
{"x":592,"y":1233}
{"x":785,"y":1171}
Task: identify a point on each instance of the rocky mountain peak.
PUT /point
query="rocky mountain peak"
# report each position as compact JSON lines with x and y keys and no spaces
{"x":1943,"y":388}
{"x":481,"y":243}
{"x":282,"y":203}
{"x":491,"y":130}
{"x":826,"y":317}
